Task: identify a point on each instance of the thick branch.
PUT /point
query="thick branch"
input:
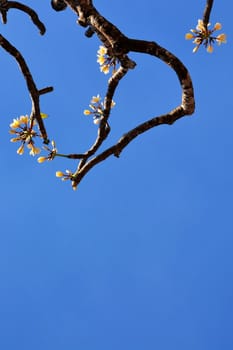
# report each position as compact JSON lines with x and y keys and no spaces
{"x":152,"y":48}
{"x":186,"y":108}
{"x":119,"y":45}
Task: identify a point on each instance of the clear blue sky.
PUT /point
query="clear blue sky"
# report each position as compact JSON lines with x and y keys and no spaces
{"x":140,"y":256}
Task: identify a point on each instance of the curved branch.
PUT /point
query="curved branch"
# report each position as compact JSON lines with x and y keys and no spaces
{"x":118,"y":45}
{"x":186,"y":108}
{"x":7,"y":5}
{"x":152,"y":48}
{"x":115,"y":150}
{"x":104,"y":128}
{"x":33,"y":91}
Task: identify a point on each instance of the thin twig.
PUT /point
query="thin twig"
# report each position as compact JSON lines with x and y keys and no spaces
{"x":207,"y":11}
{"x":33,"y":91}
{"x":19,"y":6}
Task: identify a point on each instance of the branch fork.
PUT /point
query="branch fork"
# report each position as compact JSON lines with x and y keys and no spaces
{"x":118,"y":46}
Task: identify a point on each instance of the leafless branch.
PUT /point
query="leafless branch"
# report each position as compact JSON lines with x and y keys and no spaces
{"x":186,"y":107}
{"x":118,"y":47}
{"x":33,"y":91}
{"x":7,"y":5}
{"x":207,"y":11}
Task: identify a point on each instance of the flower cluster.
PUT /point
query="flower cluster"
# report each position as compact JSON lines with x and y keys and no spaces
{"x":105,"y":61}
{"x":22,"y":128}
{"x":203,"y":35}
{"x":97,"y":109}
{"x":51,"y":155}
{"x":68,"y":175}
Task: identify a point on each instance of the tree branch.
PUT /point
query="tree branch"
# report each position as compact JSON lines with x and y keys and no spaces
{"x":7,"y":5}
{"x":33,"y":91}
{"x":186,"y":107}
{"x":207,"y":11}
{"x":118,"y":45}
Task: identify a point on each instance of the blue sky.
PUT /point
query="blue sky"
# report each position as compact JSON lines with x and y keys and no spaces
{"x":140,"y":256}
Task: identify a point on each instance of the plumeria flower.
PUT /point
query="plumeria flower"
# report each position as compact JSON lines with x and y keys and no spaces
{"x":65,"y":176}
{"x":33,"y":149}
{"x":20,"y":150}
{"x":97,"y":109}
{"x":22,"y":129}
{"x":203,"y":35}
{"x":68,"y":175}
{"x":52,"y":153}
{"x":105,"y":61}
{"x":95,"y":99}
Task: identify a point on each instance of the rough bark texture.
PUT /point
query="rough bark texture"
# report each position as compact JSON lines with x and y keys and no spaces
{"x":118,"y":47}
